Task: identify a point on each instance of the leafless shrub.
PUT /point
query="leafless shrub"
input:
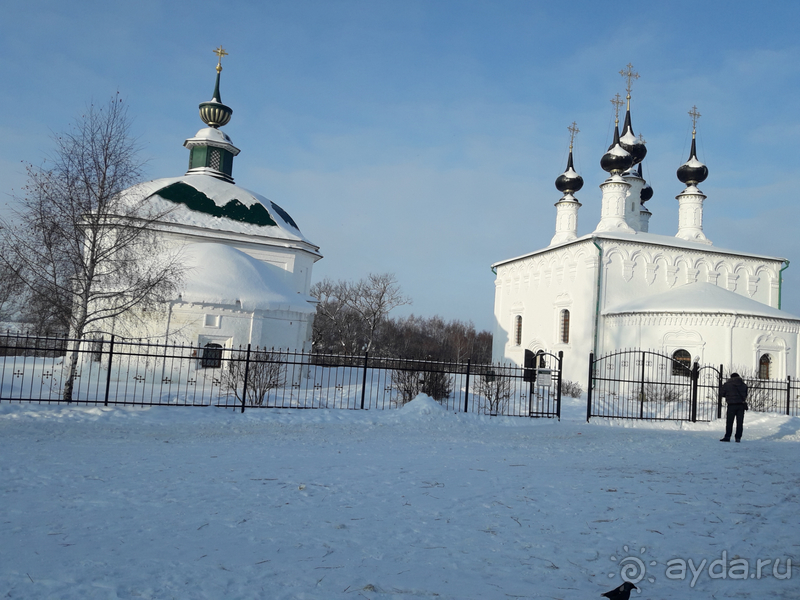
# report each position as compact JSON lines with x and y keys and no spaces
{"x":572,"y":389}
{"x":663,"y":393}
{"x":437,"y":384}
{"x":496,"y":389}
{"x":408,"y":384}
{"x":266,"y":371}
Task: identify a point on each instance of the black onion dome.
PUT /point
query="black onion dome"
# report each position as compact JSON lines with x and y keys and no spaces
{"x":647,"y":191}
{"x":617,"y":159}
{"x":692,"y":171}
{"x":630,"y":142}
{"x":569,"y":181}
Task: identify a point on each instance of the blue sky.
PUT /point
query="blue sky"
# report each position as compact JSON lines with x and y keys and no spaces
{"x":423,"y":138}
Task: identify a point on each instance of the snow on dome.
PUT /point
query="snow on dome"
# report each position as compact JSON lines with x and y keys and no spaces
{"x":628,"y":138}
{"x":618,"y":150}
{"x":211,"y":134}
{"x":693,"y":162}
{"x":221,"y":274}
{"x":208,"y":202}
{"x":700,"y":298}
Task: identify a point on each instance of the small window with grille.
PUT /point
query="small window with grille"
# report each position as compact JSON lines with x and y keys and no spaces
{"x":764,"y":366}
{"x":518,"y":330}
{"x":681,"y":363}
{"x":212,"y":357}
{"x":564,"y":335}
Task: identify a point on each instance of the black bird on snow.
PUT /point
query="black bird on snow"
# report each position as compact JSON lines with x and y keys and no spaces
{"x":622,"y":592}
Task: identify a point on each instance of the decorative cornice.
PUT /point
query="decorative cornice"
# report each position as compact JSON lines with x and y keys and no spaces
{"x":702,"y":320}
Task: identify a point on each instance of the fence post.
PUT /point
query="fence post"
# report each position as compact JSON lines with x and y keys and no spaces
{"x":719,"y":394}
{"x":695,"y":378}
{"x":558,"y":391}
{"x":788,"y":393}
{"x":589,"y":387}
{"x":466,"y":391}
{"x":246,"y":372}
{"x":108,"y":377}
{"x":641,"y":393}
{"x":364,"y":380}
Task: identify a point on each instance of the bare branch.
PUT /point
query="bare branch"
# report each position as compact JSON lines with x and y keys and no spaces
{"x":83,"y":250}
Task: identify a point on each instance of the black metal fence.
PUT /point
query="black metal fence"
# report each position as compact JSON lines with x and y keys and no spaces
{"x":642,"y":384}
{"x":127,"y":372}
{"x":774,"y":395}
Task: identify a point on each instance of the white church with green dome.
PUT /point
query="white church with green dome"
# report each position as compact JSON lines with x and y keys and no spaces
{"x":248,"y":266}
{"x":621,"y":287}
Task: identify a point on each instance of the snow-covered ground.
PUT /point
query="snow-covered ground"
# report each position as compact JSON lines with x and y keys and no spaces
{"x":412,"y":503}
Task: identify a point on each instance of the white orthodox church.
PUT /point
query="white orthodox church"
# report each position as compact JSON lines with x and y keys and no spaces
{"x":248,"y":266}
{"x":621,"y":287}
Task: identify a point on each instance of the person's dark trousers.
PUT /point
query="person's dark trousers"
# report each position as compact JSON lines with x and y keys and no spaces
{"x":735,"y":411}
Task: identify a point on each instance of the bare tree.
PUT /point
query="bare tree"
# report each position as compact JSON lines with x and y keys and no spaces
{"x":337,"y":327}
{"x":373,"y":298}
{"x":349,"y":314}
{"x":10,"y":285}
{"x":433,"y":339}
{"x":79,"y":245}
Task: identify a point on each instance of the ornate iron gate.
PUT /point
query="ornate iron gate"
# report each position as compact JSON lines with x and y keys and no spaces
{"x":643,"y":384}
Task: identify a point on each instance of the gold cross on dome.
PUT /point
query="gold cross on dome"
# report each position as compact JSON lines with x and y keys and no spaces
{"x":695,"y":115}
{"x":617,"y":102}
{"x":220,"y":52}
{"x":631,"y":75}
{"x":573,"y":131}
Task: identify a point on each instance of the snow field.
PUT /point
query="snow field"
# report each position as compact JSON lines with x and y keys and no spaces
{"x":171,"y":502}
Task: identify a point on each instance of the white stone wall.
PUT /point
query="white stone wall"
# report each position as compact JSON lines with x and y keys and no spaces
{"x":195,"y":323}
{"x":732,"y":341}
{"x":540,"y":285}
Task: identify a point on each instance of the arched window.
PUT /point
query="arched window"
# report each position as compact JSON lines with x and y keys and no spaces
{"x":764,"y":364}
{"x":518,"y":330}
{"x":564,"y":334}
{"x":212,"y":357}
{"x":681,"y":363}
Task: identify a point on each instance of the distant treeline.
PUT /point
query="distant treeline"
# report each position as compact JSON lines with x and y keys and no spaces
{"x":352,"y":318}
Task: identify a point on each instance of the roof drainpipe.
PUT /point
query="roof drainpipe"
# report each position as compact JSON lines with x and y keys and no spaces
{"x":780,"y":281}
{"x":597,"y":292}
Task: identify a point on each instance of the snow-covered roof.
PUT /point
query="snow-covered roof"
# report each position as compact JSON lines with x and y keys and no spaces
{"x":645,"y":238}
{"x":221,"y":274}
{"x":705,"y":298}
{"x":212,"y":134}
{"x":200,"y":200}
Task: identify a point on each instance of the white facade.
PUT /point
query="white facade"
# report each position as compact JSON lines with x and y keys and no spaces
{"x":621,"y":287}
{"x":247,"y":266}
{"x":243,"y":283}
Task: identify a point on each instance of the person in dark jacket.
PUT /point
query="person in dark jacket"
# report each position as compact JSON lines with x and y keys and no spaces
{"x":735,"y":393}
